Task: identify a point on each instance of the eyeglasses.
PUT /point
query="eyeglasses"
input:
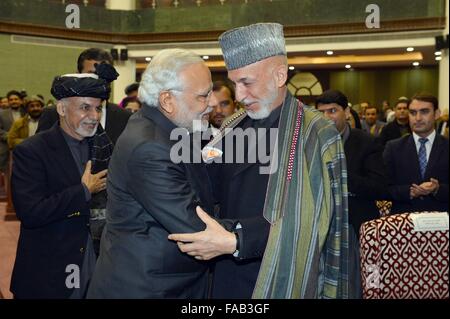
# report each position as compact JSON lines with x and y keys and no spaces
{"x":203,"y":98}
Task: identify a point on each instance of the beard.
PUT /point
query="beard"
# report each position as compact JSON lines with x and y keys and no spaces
{"x":193,"y":122}
{"x":82,"y":131}
{"x":35,"y":115}
{"x":265,"y":104}
{"x":217,"y":121}
{"x":262,"y":113}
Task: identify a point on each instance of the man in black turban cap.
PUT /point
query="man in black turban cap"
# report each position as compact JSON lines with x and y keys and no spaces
{"x":89,"y":86}
{"x":85,"y":88}
{"x":58,"y":176}
{"x":114,"y":118}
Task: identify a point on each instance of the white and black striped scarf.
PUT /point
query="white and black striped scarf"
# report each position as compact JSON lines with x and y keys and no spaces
{"x":101,"y":149}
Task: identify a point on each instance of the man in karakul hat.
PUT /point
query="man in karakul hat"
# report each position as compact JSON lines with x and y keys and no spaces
{"x":57,"y":176}
{"x":291,"y":227}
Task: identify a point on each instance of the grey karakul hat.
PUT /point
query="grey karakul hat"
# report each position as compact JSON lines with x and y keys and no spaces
{"x":246,"y":45}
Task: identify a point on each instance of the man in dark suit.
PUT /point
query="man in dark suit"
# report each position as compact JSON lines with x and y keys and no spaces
{"x":371,"y":124}
{"x":150,"y":194}
{"x":399,"y":126}
{"x":418,"y":164}
{"x":364,"y":157}
{"x":55,"y":174}
{"x":113,"y":119}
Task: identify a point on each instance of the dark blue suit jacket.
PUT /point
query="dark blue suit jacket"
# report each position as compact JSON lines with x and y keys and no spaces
{"x":402,"y":163}
{"x":50,"y":202}
{"x":366,"y":177}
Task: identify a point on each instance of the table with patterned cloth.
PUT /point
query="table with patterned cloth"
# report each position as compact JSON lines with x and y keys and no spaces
{"x":405,"y":256}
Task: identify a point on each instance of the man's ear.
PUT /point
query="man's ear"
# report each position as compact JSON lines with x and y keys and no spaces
{"x":280,"y":73}
{"x":437,"y":114}
{"x":61,"y":108}
{"x":347,"y":112}
{"x":166,"y":102}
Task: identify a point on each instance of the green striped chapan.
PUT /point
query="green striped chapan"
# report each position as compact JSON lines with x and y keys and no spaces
{"x":307,"y":253}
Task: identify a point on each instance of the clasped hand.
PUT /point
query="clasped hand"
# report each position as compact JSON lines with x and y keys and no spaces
{"x":424,"y":189}
{"x":209,"y":243}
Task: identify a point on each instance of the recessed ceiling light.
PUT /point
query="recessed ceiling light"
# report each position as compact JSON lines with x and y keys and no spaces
{"x":148,"y":59}
{"x":329,"y":52}
{"x":348,"y":66}
{"x":438,"y":58}
{"x":205,"y":57}
{"x":438,"y":53}
{"x":291,"y":68}
{"x":410,"y":49}
{"x":416,"y":63}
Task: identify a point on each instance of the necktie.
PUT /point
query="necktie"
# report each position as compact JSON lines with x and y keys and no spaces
{"x":422,"y":156}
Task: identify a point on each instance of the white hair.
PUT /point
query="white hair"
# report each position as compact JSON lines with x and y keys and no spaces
{"x":163,"y":74}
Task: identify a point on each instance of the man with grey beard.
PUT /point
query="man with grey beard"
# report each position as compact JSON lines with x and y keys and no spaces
{"x":290,"y":231}
{"x":150,"y":195}
{"x":55,"y":176}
